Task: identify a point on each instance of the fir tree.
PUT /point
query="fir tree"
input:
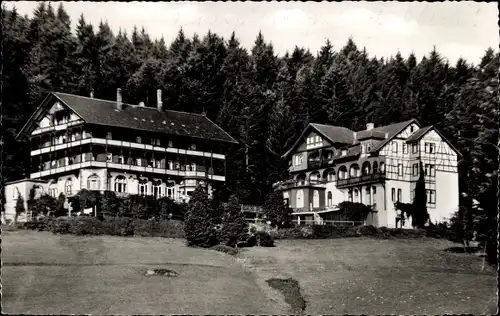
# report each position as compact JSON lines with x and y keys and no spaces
{"x":419,"y":206}
{"x":233,"y":223}
{"x":199,"y":224}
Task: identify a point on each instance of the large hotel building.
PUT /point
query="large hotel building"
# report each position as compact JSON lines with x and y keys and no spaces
{"x":86,"y":143}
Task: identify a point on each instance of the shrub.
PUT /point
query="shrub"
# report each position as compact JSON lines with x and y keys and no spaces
{"x":199,"y":224}
{"x":233,"y":224}
{"x":118,"y":226}
{"x":353,"y":211}
{"x":300,"y":232}
{"x":264,"y":239}
{"x":164,"y":228}
{"x":276,"y":211}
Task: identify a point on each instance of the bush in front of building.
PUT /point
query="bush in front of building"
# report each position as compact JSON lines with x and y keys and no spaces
{"x":159,"y":228}
{"x":354,"y":211}
{"x":276,"y":211}
{"x":233,"y":224}
{"x":264,"y":239}
{"x":199,"y":225}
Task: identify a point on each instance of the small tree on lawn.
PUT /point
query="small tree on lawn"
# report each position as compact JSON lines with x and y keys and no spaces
{"x":462,"y":226}
{"x":233,"y":223}
{"x":276,"y":210}
{"x":20,"y":209}
{"x":419,"y":206}
{"x":198,"y":224}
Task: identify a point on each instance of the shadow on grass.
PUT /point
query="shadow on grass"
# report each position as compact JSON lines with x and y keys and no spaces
{"x":291,"y":290}
{"x":462,"y":249}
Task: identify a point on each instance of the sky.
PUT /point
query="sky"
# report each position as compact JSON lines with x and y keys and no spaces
{"x":457,"y":29}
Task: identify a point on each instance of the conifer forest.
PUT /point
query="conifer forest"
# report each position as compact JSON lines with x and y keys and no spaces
{"x":261,"y":99}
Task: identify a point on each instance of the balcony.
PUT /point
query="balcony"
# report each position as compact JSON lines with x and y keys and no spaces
{"x":300,"y":184}
{"x":319,"y":164}
{"x":117,"y":143}
{"x":365,"y":179}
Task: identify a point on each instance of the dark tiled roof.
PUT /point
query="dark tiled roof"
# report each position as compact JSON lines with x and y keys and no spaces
{"x":418,"y":134}
{"x":370,"y":134}
{"x":336,"y":134}
{"x":391,"y":130}
{"x":103,"y":112}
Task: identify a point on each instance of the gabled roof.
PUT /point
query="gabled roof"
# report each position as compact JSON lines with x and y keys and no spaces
{"x":104,"y":112}
{"x":335,"y":134}
{"x":424,"y":130}
{"x":419,"y":134}
{"x":392,"y":130}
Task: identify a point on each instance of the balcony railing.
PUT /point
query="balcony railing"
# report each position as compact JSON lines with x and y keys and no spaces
{"x":299,"y":184}
{"x":101,"y":164}
{"x":319,"y":164}
{"x":118,"y":143}
{"x":369,"y":178}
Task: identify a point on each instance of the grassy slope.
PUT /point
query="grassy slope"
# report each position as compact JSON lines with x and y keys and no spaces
{"x":367,"y":276}
{"x":44,"y":273}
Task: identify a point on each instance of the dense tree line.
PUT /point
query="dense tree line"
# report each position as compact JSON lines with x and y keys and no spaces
{"x":262,"y":100}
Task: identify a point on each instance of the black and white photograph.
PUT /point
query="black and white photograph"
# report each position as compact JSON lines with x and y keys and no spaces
{"x":236,"y":158}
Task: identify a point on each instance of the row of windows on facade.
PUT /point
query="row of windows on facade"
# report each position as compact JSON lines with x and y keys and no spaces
{"x":62,"y":139}
{"x":430,"y":196}
{"x":429,"y":148}
{"x":140,"y":162}
{"x":120,"y":186}
{"x":352,"y":196}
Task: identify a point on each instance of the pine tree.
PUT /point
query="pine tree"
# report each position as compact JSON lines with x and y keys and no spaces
{"x":275,"y":209}
{"x":233,"y":223}
{"x":419,"y":206}
{"x":20,"y":209}
{"x":198,"y":224}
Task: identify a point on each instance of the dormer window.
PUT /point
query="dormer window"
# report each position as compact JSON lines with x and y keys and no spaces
{"x":344,"y":152}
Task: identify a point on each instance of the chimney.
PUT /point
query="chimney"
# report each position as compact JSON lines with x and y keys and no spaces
{"x":119,"y":103}
{"x":369,"y":126}
{"x":159,"y":103}
{"x":92,"y":94}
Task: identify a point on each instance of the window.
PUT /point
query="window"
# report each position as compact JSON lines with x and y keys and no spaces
{"x":405,"y":148}
{"x":432,"y":148}
{"x":318,"y":139}
{"x":393,"y":195}
{"x":411,"y":128}
{"x":157,"y":190}
{"x":68,"y":187}
{"x":121,"y":159}
{"x":430,"y":170}
{"x":415,"y":169}
{"x":349,"y":195}
{"x":170,"y":165}
{"x":316,"y":199}
{"x":331,"y":176}
{"x":300,"y":199}
{"x":138,"y":139}
{"x":109,"y":135}
{"x":143,"y":187}
{"x":431,"y":196}
{"x":139,"y":161}
{"x":170,"y":144}
{"x":93,"y":182}
{"x":395,"y":147}
{"x":193,"y":166}
{"x":329,"y":199}
{"x":170,"y":192}
{"x":109,"y":157}
{"x":298,"y":160}
{"x":368,"y":198}
{"x":400,"y":169}
{"x":382,"y":167}
{"x":356,"y":195}
{"x":375,"y":167}
{"x":53,"y":190}
{"x":414,"y":148}
{"x":400,"y":195}
{"x":120,"y":184}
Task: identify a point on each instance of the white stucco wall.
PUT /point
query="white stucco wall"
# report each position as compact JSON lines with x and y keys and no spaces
{"x":447,"y":197}
{"x":12,"y":190}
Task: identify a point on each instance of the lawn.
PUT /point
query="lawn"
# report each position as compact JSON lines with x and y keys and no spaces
{"x":49,"y":274}
{"x":375,"y":277}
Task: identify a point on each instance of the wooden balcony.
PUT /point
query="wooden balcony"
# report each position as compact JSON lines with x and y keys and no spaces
{"x":300,"y":184}
{"x":365,"y":179}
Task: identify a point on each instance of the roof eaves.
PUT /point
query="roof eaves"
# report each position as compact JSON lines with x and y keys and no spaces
{"x":384,"y":142}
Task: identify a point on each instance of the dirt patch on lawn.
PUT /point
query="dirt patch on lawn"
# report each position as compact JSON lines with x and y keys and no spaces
{"x":291,"y":290}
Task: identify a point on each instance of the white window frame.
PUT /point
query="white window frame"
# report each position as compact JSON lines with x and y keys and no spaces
{"x":415,"y":169}
{"x":400,"y":169}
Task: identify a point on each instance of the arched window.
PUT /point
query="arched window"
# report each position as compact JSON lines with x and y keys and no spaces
{"x":300,"y":199}
{"x":375,"y":167}
{"x":120,"y":184}
{"x":93,"y":182}
{"x":354,"y":171}
{"x":157,"y":189}
{"x":331,"y":175}
{"x":316,"y":199}
{"x":349,"y":195}
{"x":143,"y":187}
{"x":356,"y":195}
{"x":382,"y":167}
{"x":400,"y":195}
{"x":53,"y":190}
{"x":329,"y":199}
{"x":314,"y":177}
{"x":366,"y":168}
{"x":68,"y":187}
{"x":342,"y":173}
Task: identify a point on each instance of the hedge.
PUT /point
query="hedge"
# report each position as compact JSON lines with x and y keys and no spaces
{"x":113,"y":226}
